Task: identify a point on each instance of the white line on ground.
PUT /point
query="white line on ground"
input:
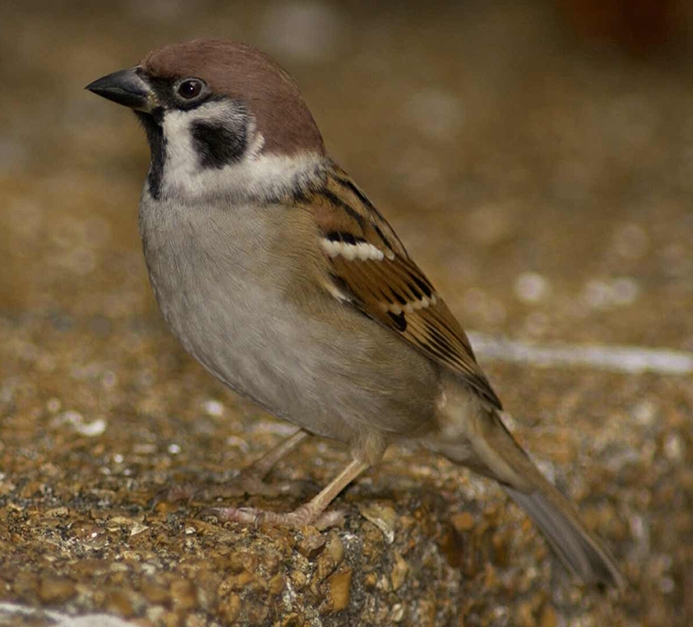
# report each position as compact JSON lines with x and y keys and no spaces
{"x":631,"y":359}
{"x":51,"y":618}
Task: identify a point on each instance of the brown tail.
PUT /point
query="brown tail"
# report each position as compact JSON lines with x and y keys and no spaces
{"x":581,"y":551}
{"x":495,"y":453}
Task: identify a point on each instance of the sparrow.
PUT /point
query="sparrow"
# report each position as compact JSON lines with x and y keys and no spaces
{"x":279,"y":275}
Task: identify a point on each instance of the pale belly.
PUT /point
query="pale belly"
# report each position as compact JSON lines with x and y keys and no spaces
{"x":334,"y":380}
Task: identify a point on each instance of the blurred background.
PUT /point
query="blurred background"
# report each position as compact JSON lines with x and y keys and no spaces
{"x":535,"y":156}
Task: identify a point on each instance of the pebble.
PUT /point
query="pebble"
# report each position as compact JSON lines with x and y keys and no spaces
{"x":531,"y":287}
{"x":338,"y":591}
{"x":183,"y":593}
{"x":548,"y":617}
{"x":53,"y":589}
{"x":383,"y":517}
{"x":463,"y":521}
{"x":399,"y":572}
{"x":230,"y":608}
{"x":119,"y":602}
{"x":213,"y":408}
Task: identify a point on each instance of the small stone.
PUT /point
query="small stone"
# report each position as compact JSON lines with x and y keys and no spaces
{"x":155,"y":614}
{"x":24,"y":584}
{"x":195,"y":620}
{"x":631,"y":241}
{"x":53,"y":404}
{"x":207,"y":583}
{"x":213,"y":408}
{"x":257,"y":613}
{"x":399,"y":572}
{"x":674,"y":447}
{"x":241,"y":561}
{"x":172,"y":619}
{"x":451,"y":547}
{"x":531,"y":287}
{"x":525,"y":615}
{"x":490,"y":577}
{"x":242,"y":581}
{"x":312,"y":543}
{"x":335,"y":548}
{"x":397,"y":613}
{"x":501,"y":550}
{"x":383,"y":517}
{"x":292,"y":620}
{"x":625,"y":291}
{"x":230,"y":608}
{"x":137,"y":528}
{"x":596,"y":294}
{"x":53,"y":589}
{"x":298,"y":580}
{"x":338,"y":588}
{"x":548,"y":617}
{"x":183,"y":594}
{"x":277,"y":584}
{"x":154,"y":593}
{"x":118,"y":602}
{"x":329,"y":559}
{"x":463,"y":522}
{"x":384,"y":583}
{"x":645,"y":413}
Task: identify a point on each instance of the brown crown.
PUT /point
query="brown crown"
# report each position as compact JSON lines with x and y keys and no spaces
{"x":244,"y":73}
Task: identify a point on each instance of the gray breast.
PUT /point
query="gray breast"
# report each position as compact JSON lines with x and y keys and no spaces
{"x":224,"y":296}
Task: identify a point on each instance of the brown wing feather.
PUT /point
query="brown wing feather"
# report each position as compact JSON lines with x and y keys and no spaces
{"x":390,"y":288}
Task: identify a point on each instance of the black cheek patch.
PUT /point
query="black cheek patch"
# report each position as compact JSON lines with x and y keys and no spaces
{"x":218,"y":145}
{"x":157,"y":146}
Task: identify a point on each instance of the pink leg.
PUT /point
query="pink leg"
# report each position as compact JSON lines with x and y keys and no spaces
{"x":248,"y":481}
{"x":310,"y":513}
{"x":261,"y":467}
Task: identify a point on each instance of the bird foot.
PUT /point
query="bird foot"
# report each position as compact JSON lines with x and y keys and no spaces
{"x":300,"y":517}
{"x":246,"y":483}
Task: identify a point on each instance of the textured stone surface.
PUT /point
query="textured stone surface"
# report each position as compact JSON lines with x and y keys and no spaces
{"x":543,"y":187}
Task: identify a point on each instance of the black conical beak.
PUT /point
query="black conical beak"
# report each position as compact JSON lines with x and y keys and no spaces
{"x":127,"y":88}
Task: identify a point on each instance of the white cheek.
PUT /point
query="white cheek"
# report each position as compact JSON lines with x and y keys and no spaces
{"x":255,"y":176}
{"x":183,"y":171}
{"x":181,"y":161}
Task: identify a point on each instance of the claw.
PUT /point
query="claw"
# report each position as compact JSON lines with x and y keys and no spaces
{"x":174,"y":494}
{"x":301,"y":517}
{"x":245,"y":515}
{"x":246,"y":483}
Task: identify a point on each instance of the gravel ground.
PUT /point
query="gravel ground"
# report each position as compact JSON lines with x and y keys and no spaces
{"x":545,"y":186}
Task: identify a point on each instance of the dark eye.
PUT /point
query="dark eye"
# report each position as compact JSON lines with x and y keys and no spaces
{"x":190,"y":88}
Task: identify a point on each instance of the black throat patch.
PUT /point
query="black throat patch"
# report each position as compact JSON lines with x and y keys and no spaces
{"x":157,"y":145}
{"x":217,"y":145}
